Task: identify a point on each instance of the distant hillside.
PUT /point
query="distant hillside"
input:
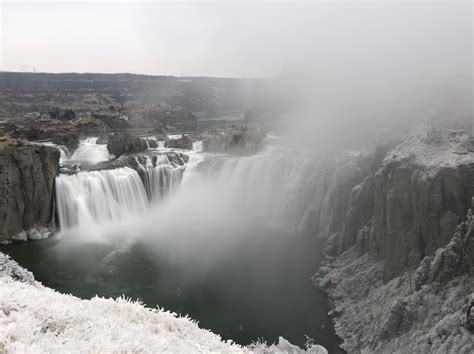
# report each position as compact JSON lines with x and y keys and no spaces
{"x":21,"y":93}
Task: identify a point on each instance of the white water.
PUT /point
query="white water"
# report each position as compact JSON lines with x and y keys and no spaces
{"x":162,"y":177}
{"x":88,"y":152}
{"x":277,"y":188}
{"x":99,"y":196}
{"x":197,"y":146}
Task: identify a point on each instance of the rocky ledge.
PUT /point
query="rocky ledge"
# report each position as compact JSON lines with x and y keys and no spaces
{"x":400,"y":263}
{"x":27,"y":173}
{"x":124,"y":142}
{"x":184,"y":142}
{"x":236,"y":140}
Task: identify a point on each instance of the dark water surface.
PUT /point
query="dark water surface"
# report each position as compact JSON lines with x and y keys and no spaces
{"x":262,"y":293}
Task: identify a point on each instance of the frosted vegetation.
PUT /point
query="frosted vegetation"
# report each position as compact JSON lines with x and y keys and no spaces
{"x":56,"y":322}
{"x":59,"y":322}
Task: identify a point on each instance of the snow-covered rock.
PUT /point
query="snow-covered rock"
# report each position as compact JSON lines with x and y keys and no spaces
{"x":424,"y":311}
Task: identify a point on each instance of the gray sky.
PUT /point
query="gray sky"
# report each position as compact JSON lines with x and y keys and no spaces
{"x":236,"y":39}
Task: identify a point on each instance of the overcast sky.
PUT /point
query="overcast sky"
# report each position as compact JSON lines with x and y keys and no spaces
{"x":234,"y":39}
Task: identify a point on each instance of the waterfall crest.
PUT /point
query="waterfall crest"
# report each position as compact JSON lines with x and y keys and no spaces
{"x":97,"y":196}
{"x":278,"y":188}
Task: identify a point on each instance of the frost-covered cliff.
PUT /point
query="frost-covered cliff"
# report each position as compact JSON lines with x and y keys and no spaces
{"x":400,"y":271}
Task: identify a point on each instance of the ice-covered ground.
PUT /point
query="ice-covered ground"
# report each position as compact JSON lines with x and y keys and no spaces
{"x":36,"y":319}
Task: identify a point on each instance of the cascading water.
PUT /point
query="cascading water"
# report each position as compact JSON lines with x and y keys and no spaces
{"x":197,"y":146}
{"x":89,"y":152}
{"x":97,"y":196}
{"x":161,"y":176}
{"x":278,"y":187}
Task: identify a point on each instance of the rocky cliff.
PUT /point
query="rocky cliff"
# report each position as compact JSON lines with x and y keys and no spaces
{"x":400,"y":271}
{"x":413,"y":199}
{"x":27,"y":173}
{"x":123,"y":143}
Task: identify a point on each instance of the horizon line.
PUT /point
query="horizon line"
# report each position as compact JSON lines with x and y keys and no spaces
{"x":139,"y":74}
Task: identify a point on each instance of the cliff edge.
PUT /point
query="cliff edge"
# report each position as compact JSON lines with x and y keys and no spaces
{"x":400,"y":271}
{"x":27,"y":173}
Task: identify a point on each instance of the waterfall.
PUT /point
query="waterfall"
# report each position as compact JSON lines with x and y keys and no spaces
{"x":197,"y":146}
{"x":88,"y":151}
{"x":95,"y":196}
{"x":161,"y":176}
{"x":279,"y":188}
{"x":273,"y":188}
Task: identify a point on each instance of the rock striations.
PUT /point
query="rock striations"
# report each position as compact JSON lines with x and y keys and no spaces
{"x":27,"y":173}
{"x":399,"y":268}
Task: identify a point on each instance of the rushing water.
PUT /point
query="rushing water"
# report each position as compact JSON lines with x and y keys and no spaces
{"x":227,"y":243}
{"x":95,"y":196}
{"x":161,"y":177}
{"x":88,"y":152}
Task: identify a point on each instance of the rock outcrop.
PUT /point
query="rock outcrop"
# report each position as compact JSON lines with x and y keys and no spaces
{"x":424,"y":311}
{"x":27,"y":173}
{"x":238,"y":140}
{"x":412,"y":199}
{"x":102,"y":139}
{"x":181,"y":143}
{"x":123,"y":143}
{"x":422,"y":192}
{"x":70,"y":141}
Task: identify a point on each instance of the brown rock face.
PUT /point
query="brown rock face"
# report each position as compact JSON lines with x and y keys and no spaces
{"x":122,"y":143}
{"x":70,"y":141}
{"x":27,"y":174}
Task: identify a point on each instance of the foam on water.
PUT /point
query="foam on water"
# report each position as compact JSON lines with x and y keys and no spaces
{"x":89,"y":152}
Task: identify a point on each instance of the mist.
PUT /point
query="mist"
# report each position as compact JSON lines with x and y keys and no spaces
{"x":272,"y":170}
{"x":355,"y":74}
{"x":349,"y":75}
{"x":342,"y":71}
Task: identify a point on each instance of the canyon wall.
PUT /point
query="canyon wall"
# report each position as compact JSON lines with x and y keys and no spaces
{"x":27,"y":173}
{"x":400,"y":267}
{"x":408,"y":204}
